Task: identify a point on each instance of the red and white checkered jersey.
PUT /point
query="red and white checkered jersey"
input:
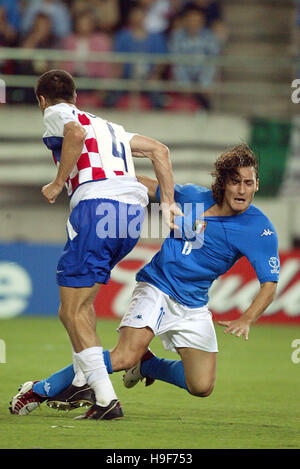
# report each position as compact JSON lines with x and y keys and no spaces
{"x":106,"y":156}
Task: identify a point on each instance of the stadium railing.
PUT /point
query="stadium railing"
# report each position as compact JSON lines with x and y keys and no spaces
{"x":258,"y":89}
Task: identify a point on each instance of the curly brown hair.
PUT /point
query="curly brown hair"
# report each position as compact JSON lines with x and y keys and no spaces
{"x":227,"y":165}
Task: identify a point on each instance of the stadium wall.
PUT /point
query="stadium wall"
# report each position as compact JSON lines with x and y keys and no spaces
{"x":28,"y":287}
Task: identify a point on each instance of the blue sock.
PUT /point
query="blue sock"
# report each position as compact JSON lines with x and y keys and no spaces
{"x":60,"y":380}
{"x":170,"y":371}
{"x":56,"y":383}
{"x":107,"y":361}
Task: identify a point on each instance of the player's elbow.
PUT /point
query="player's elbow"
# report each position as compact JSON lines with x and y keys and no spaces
{"x":160,"y":152}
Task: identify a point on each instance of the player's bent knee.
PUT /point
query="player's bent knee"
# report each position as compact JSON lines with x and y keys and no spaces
{"x":200,"y":389}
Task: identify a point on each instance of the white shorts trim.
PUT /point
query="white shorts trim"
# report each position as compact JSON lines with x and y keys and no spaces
{"x":176,"y":325}
{"x":124,"y":189}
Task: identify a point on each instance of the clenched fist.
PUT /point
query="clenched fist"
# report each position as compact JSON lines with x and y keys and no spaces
{"x":51,"y":191}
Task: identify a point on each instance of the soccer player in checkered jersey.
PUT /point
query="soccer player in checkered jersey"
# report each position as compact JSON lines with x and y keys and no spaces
{"x":94,"y":160}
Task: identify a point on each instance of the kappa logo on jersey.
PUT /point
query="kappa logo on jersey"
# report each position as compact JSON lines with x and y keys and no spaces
{"x":275,"y":264}
{"x":198,"y":227}
{"x":267,"y":232}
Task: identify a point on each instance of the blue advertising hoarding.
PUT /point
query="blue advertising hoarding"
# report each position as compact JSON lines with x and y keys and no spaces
{"x":28,"y":279}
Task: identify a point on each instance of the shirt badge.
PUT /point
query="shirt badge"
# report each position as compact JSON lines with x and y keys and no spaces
{"x":199,"y":226}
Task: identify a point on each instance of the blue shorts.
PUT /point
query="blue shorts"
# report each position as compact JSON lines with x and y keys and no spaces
{"x":101,"y":232}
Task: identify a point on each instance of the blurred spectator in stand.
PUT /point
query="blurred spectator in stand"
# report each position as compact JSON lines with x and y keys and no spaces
{"x":12,"y":13}
{"x":294,"y":48}
{"x":195,"y":40}
{"x":83,"y":40}
{"x":135,"y":39}
{"x":86,"y":39}
{"x":211,"y":9}
{"x":8,"y":34}
{"x":40,"y":37}
{"x":55,"y":9}
{"x":106,"y":13}
{"x":8,"y":38}
{"x":159,"y":14}
{"x":213,"y":16}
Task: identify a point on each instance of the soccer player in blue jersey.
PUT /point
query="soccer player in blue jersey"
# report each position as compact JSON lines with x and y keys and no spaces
{"x":171,"y":295}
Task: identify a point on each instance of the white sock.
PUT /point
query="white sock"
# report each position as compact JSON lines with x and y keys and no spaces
{"x":93,"y":367}
{"x":79,"y":378}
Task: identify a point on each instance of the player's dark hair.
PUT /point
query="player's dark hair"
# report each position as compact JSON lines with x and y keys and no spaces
{"x":227,"y":165}
{"x":55,"y":86}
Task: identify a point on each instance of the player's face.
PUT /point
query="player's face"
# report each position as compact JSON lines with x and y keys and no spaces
{"x":239,"y":191}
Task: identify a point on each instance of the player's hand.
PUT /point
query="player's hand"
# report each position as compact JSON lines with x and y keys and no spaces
{"x":238,"y":327}
{"x":169,"y":212}
{"x":51,"y":191}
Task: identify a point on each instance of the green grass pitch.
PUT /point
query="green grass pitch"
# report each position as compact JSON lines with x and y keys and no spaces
{"x":255,"y":403}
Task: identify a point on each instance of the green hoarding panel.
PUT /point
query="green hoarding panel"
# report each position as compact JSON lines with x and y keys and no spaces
{"x":270,"y":141}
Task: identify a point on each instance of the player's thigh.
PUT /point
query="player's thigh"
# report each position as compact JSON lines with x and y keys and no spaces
{"x":199,"y":369}
{"x":75,"y":298}
{"x":132,"y":344}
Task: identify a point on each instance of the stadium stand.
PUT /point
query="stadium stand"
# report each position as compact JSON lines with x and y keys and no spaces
{"x":248,"y":98}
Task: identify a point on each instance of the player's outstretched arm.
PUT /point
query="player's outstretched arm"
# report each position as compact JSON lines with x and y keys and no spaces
{"x":145,"y":147}
{"x":262,"y":300}
{"x":74,"y":136}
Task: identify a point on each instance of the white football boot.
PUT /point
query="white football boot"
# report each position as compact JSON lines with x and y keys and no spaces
{"x":134,"y":375}
{"x":26,"y":400}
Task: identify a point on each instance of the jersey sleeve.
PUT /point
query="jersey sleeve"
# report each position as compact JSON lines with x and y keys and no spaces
{"x":260,"y":246}
{"x":55,"y":120}
{"x":187,"y":193}
{"x":130,"y":136}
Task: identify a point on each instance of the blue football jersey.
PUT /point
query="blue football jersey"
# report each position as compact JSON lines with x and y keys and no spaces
{"x":191,"y":258}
